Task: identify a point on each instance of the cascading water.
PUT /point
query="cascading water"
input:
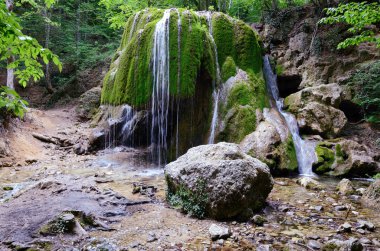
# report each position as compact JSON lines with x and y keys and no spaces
{"x":160,"y":94}
{"x":179,"y":24}
{"x":305,"y":150}
{"x":215,"y":94}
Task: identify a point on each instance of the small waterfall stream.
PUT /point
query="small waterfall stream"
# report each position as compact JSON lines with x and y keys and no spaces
{"x":160,"y":94}
{"x":305,"y":150}
{"x":215,"y":94}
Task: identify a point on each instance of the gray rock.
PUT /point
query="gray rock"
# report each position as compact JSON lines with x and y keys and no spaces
{"x":219,"y":232}
{"x":314,"y":244}
{"x":309,"y":183}
{"x":317,"y":118}
{"x":345,"y":228}
{"x":357,"y":160}
{"x":326,"y":94}
{"x":319,"y":208}
{"x":350,"y":245}
{"x":259,"y":220}
{"x":345,"y":187}
{"x":371,"y":197}
{"x":232,"y":180}
{"x":270,"y":143}
{"x":366,"y":225}
{"x":88,"y":103}
{"x":151,"y":237}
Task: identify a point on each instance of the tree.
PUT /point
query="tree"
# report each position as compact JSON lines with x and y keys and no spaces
{"x":361,"y":17}
{"x":21,"y":53}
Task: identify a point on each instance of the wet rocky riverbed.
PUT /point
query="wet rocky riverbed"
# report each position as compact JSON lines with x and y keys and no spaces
{"x":118,"y":201}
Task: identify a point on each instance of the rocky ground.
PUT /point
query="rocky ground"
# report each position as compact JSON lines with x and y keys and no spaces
{"x":54,"y":199}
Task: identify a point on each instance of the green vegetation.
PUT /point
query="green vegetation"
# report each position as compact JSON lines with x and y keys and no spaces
{"x":228,"y":69}
{"x":193,"y":202}
{"x":326,"y":157}
{"x":239,"y":112}
{"x":366,"y":85}
{"x":377,"y":176}
{"x":291,"y":155}
{"x":11,"y":104}
{"x":191,"y":53}
{"x":359,"y":16}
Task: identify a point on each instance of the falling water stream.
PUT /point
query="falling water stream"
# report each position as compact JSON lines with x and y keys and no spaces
{"x":305,"y":150}
{"x":160,"y":94}
{"x":215,"y":94}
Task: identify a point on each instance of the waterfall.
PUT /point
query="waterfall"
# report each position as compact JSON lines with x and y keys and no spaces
{"x":179,"y":24}
{"x":128,"y":115}
{"x":215,"y":94}
{"x":133,"y":26}
{"x":160,"y":94}
{"x":305,"y":150}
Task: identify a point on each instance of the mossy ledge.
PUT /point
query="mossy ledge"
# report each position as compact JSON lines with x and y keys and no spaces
{"x":129,"y":80}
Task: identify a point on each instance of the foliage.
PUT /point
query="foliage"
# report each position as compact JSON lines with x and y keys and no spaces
{"x":377,"y":176}
{"x":366,"y":85}
{"x":25,"y":50}
{"x":11,"y":103}
{"x":360,"y":16}
{"x":192,"y":202}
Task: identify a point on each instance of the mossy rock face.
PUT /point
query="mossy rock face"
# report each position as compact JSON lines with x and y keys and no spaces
{"x":228,"y":69}
{"x":326,"y":157}
{"x":129,"y":80}
{"x":238,"y":111}
{"x":195,"y":52}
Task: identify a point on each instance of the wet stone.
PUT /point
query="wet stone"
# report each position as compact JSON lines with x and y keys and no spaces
{"x":366,"y":225}
{"x":345,"y":228}
{"x":314,"y":244}
{"x":219,"y":232}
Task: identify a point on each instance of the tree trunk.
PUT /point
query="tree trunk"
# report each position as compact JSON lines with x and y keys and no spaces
{"x":11,"y":59}
{"x":49,"y":86}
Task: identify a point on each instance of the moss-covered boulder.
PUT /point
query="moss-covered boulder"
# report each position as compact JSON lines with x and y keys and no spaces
{"x":240,"y":97}
{"x":203,"y":50}
{"x":345,"y":158}
{"x":191,"y":52}
{"x":267,"y":145}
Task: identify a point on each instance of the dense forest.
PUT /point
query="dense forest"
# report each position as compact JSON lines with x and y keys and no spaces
{"x":189,"y":125}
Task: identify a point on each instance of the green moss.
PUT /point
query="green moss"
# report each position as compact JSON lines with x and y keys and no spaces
{"x":228,"y":69}
{"x":223,"y":33}
{"x":326,"y":157}
{"x":237,"y":40}
{"x":291,"y":156}
{"x":130,"y":77}
{"x":240,"y":121}
{"x":279,"y":69}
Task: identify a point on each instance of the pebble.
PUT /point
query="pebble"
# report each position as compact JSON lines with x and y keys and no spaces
{"x":219,"y":232}
{"x":366,"y":225}
{"x":314,"y":244}
{"x":340,"y":208}
{"x":345,"y":228}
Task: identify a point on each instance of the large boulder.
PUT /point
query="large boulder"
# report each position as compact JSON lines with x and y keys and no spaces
{"x":219,"y":179}
{"x":371,"y":197}
{"x":317,"y":118}
{"x":272,"y":145}
{"x":316,"y":109}
{"x":89,"y":103}
{"x":330,"y":94}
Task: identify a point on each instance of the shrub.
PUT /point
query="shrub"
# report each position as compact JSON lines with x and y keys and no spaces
{"x":366,"y":85}
{"x":11,"y":104}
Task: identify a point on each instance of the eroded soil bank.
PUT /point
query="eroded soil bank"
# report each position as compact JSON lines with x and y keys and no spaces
{"x":119,"y":200}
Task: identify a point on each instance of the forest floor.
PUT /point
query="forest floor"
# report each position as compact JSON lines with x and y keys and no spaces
{"x":119,"y":199}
